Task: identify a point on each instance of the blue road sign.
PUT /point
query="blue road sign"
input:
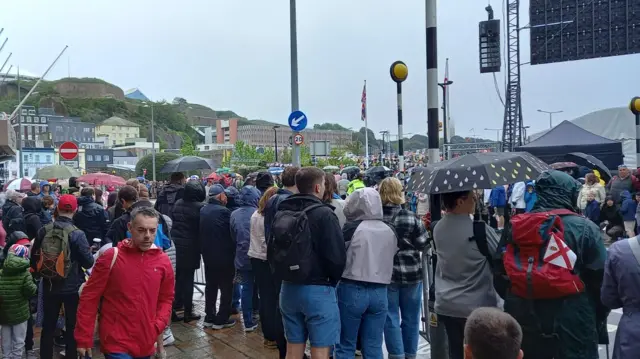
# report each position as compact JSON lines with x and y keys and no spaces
{"x":297,"y":120}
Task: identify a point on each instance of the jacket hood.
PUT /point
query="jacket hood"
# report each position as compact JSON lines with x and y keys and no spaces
{"x":172,"y":188}
{"x":624,"y":195}
{"x":556,"y":190}
{"x":44,"y":183}
{"x":298,"y":201}
{"x":32,"y":204}
{"x":364,"y":204}
{"x":15,"y":265}
{"x":248,"y":196}
{"x":194,"y":192}
{"x":531,"y":183}
{"x":84,"y":200}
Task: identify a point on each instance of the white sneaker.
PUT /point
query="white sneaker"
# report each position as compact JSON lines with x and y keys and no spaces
{"x":31,"y":354}
{"x":168,"y":338}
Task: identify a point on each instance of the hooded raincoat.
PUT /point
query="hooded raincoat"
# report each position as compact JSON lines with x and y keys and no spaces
{"x":578,"y":322}
{"x":241,"y":225}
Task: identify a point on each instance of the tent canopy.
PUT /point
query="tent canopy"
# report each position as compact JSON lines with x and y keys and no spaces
{"x":568,"y":137}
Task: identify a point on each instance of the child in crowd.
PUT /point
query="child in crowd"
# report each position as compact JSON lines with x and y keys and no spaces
{"x":592,"y":210}
{"x":16,"y":287}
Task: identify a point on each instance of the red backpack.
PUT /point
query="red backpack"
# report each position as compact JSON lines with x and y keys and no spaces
{"x":537,"y":260}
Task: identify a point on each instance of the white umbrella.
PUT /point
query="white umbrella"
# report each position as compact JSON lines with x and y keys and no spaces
{"x":20,"y":184}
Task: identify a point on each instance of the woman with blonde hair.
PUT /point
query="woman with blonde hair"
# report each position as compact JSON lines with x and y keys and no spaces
{"x":591,"y":184}
{"x":265,"y":282}
{"x":405,"y":291}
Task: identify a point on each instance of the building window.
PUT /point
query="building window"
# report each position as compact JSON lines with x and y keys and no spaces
{"x":36,"y":119}
{"x":48,"y":158}
{"x":26,"y":158}
{"x":98,"y":158}
{"x":24,"y":112}
{"x":28,"y":119}
{"x":43,"y":119}
{"x":105,"y":158}
{"x":37,"y":158}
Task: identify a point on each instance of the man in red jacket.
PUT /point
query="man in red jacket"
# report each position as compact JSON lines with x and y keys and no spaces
{"x":134,"y":286}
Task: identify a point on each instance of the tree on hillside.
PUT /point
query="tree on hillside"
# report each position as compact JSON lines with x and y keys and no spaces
{"x":188,"y":148}
{"x":161,"y":159}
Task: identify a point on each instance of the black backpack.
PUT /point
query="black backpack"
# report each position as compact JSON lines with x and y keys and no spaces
{"x":290,"y":253}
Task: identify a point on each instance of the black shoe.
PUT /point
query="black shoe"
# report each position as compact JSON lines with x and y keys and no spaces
{"x":208,"y":321}
{"x":176,"y":318}
{"x":191,"y":318}
{"x":235,"y":311}
{"x":59,"y":341}
{"x":228,"y":324}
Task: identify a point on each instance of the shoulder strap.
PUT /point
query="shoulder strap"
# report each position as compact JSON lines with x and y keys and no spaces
{"x":634,"y":243}
{"x":113,"y":260}
{"x":480,"y":237}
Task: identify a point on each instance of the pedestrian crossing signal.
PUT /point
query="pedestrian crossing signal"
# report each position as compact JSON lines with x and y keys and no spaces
{"x":440,"y":126}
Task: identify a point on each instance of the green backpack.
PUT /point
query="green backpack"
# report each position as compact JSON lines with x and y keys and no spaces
{"x":54,"y":255}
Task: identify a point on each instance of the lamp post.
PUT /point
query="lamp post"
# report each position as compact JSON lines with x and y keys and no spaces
{"x":275,"y":140}
{"x":445,"y":141}
{"x":399,"y":73}
{"x":550,"y":116}
{"x":524,"y":140}
{"x":384,"y":146}
{"x":153,"y":140}
{"x":634,"y":106}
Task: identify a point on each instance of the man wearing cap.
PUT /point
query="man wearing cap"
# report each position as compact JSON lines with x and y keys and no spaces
{"x":57,"y":293}
{"x":218,"y":253}
{"x":624,"y":181}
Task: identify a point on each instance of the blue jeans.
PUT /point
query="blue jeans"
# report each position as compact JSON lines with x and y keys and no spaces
{"x":310,"y":311}
{"x":402,"y":329}
{"x":362,"y":306}
{"x":122,"y":356}
{"x":246,"y":296}
{"x":235,"y":302}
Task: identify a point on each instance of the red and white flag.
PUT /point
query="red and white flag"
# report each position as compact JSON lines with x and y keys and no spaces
{"x":364,"y":102}
{"x":559,"y":254}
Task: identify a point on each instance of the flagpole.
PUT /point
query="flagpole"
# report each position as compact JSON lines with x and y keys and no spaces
{"x":366,"y":130}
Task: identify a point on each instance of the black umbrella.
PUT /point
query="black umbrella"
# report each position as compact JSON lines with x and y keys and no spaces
{"x":590,"y":161}
{"x":378,"y":170}
{"x":476,"y":171}
{"x":188,"y":163}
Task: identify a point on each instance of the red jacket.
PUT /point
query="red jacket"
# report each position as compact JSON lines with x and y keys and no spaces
{"x":137,"y":296}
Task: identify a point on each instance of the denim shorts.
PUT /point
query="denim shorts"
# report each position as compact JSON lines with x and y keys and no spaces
{"x":310,"y":311}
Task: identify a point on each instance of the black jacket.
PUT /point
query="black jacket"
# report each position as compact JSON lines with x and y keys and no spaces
{"x":91,"y":218}
{"x":81,"y":257}
{"x":218,"y":248}
{"x":185,"y":231}
{"x":169,"y":195}
{"x":329,"y":251}
{"x":32,"y":210}
{"x":118,"y":230}
{"x":12,"y":218}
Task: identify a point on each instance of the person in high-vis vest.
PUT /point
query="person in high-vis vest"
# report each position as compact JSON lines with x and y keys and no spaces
{"x":356,"y":184}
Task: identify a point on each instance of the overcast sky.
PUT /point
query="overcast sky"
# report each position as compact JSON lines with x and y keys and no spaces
{"x":230,"y":54}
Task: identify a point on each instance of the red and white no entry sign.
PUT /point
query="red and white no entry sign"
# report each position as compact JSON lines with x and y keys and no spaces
{"x":298,"y":139}
{"x":69,"y":151}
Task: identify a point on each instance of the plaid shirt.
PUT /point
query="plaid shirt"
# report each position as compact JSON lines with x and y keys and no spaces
{"x":412,"y":238}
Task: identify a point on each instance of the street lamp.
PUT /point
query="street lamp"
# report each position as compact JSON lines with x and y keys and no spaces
{"x":275,"y":140}
{"x":443,"y":86}
{"x":525,"y":133}
{"x":399,"y":73}
{"x":550,"y":116}
{"x":497,"y":132}
{"x":384,"y":145}
{"x":153,"y":140}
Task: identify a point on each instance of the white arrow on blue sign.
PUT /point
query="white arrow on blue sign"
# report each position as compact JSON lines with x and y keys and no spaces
{"x":297,"y":120}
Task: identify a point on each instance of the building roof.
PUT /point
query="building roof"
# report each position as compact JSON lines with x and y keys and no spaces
{"x":135,"y":94}
{"x":117,"y":121}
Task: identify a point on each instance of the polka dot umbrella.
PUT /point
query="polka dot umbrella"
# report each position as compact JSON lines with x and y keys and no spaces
{"x":476,"y":171}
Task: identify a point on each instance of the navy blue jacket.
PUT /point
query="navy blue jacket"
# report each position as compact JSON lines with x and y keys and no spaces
{"x":592,"y":211}
{"x":498,"y":197}
{"x":241,"y":225}
{"x":81,"y":257}
{"x":628,"y":207}
{"x":218,"y":248}
{"x":91,"y":219}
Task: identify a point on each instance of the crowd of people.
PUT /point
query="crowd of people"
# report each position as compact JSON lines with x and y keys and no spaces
{"x":318,"y":260}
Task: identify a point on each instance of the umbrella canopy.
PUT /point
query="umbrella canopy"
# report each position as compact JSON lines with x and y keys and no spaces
{"x":56,"y":171}
{"x":378,"y":169}
{"x":563,"y":165}
{"x":104,"y":179}
{"x":330,"y":168}
{"x":188,"y":163}
{"x":583,"y":159}
{"x":214,"y":176}
{"x":19,"y":184}
{"x":476,"y":171}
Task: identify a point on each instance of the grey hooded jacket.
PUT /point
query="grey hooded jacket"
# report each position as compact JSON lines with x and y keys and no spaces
{"x":371,"y":243}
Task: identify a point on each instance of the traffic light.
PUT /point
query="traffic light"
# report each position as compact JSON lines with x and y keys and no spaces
{"x":489,"y":41}
{"x":439,"y":126}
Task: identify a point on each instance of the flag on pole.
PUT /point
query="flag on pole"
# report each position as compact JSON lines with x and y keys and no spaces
{"x":364,"y":102}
